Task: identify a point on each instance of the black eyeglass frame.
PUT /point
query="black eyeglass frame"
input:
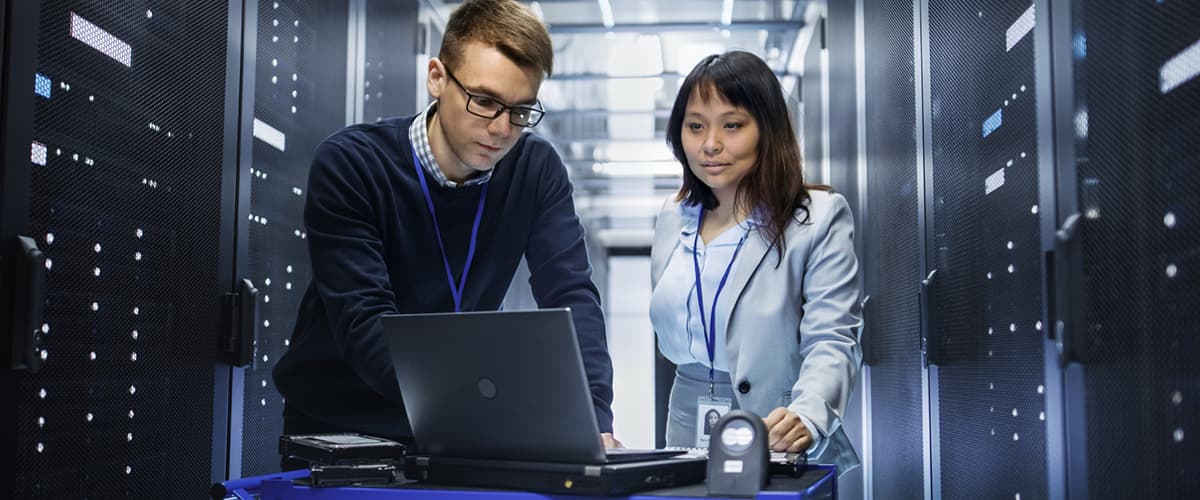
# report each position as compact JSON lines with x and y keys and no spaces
{"x":536,"y":113}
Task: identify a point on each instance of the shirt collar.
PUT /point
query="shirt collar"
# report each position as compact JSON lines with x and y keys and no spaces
{"x":689,"y":215}
{"x":418,"y":136}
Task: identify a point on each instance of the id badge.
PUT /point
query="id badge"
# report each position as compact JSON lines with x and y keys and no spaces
{"x":709,"y":410}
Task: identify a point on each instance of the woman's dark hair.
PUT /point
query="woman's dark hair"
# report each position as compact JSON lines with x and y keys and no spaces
{"x":774,"y":188}
{"x":708,"y":416}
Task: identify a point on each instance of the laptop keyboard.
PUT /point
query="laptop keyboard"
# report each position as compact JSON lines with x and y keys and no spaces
{"x":615,"y":455}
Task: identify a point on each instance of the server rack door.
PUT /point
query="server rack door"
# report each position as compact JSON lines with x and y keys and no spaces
{"x":892,"y":269}
{"x":125,"y":203}
{"x":19,"y":294}
{"x":313,"y":59}
{"x":299,"y":99}
{"x":843,"y":116}
{"x":815,"y":103}
{"x":985,"y":332}
{"x":390,"y":80}
{"x":1137,"y":148}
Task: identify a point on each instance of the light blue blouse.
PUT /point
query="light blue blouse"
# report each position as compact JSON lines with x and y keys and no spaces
{"x":674,"y":310}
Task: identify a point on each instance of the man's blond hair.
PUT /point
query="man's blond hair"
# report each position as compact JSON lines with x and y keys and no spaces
{"x":504,"y":24}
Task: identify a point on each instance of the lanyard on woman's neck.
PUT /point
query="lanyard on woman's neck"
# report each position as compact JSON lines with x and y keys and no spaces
{"x":456,"y":291}
{"x":710,"y":328}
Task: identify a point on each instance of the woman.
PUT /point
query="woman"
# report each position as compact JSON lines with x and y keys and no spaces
{"x":753,"y":271}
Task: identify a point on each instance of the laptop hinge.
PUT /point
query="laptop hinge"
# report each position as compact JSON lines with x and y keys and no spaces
{"x":592,"y":470}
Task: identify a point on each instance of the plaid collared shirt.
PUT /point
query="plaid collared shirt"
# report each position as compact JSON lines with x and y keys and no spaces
{"x":418,"y":136}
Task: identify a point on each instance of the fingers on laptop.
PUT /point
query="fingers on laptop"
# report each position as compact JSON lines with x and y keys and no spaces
{"x":786,"y":432}
{"x":609,"y":441}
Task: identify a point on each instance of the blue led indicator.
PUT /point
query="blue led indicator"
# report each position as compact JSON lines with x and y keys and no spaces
{"x":41,"y":85}
{"x":993,"y":122}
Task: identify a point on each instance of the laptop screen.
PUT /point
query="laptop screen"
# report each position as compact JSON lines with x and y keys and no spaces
{"x":497,"y":384}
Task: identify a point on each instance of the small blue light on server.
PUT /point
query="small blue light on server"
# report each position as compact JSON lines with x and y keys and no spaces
{"x":41,"y":85}
{"x":993,"y":122}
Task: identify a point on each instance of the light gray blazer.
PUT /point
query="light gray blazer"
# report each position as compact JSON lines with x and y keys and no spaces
{"x":792,"y":331}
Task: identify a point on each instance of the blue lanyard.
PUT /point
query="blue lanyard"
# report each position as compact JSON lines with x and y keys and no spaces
{"x":710,"y":329}
{"x":455,"y":290}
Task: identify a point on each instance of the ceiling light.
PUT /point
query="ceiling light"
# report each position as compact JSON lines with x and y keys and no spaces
{"x":727,"y":12}
{"x":637,"y":169}
{"x":606,"y":13}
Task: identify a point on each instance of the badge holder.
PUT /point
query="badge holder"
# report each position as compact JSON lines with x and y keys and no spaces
{"x":709,"y":410}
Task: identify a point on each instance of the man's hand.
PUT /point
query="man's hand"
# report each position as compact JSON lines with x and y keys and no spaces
{"x":609,"y":441}
{"x":786,"y":432}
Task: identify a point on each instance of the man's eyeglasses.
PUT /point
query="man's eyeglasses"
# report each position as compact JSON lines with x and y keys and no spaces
{"x":490,"y":108}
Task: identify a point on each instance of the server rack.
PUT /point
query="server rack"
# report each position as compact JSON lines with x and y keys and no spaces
{"x":126,"y":170}
{"x":891,"y":335}
{"x":318,"y":66}
{"x":985,"y":328}
{"x":299,"y":89}
{"x":815,"y":104}
{"x":1129,"y":246}
{"x":152,"y":188}
{"x":19,"y":264}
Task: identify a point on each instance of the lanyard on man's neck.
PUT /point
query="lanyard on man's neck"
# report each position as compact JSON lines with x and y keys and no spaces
{"x":456,"y":290}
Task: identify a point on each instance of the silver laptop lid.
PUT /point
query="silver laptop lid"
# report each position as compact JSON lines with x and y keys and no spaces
{"x":500,"y":384}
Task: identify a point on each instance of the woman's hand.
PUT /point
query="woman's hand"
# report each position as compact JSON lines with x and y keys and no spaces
{"x":786,"y":432}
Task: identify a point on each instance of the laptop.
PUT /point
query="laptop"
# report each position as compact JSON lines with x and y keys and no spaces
{"x":506,"y":392}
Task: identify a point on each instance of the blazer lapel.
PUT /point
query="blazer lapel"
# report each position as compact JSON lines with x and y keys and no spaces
{"x":666,"y":238}
{"x":754,"y":251}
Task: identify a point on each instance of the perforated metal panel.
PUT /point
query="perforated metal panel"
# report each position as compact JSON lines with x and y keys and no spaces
{"x":893,"y":267}
{"x":126,"y":206}
{"x":1137,"y":127}
{"x":299,"y":100}
{"x":390,"y":70}
{"x":986,"y":321}
{"x":843,"y":111}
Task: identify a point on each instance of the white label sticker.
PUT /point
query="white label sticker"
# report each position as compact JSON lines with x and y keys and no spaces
{"x":993,"y":182}
{"x":733,"y":466}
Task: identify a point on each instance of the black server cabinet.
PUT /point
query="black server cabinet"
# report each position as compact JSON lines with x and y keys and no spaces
{"x":984,"y":309}
{"x":893,"y":268}
{"x":316,"y":63}
{"x":391,"y":78}
{"x":19,"y":263}
{"x":300,"y":87}
{"x":1132,"y":183}
{"x":127,"y":166}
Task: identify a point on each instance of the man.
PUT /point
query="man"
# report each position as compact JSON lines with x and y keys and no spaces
{"x":433,"y":213}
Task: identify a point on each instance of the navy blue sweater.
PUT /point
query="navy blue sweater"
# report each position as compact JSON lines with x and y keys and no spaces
{"x":373,"y":251}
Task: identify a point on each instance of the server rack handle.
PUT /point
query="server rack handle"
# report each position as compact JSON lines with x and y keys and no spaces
{"x":1068,"y":305}
{"x":30,"y":300}
{"x":930,"y":339}
{"x":241,"y":324}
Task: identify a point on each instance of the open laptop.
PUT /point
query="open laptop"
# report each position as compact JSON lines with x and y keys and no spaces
{"x":507,"y":390}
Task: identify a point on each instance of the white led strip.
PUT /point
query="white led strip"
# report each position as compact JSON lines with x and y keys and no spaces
{"x":269,"y":134}
{"x":38,"y":153}
{"x":1179,"y":69}
{"x":86,"y":32}
{"x":993,"y":182}
{"x":1021,"y":27}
